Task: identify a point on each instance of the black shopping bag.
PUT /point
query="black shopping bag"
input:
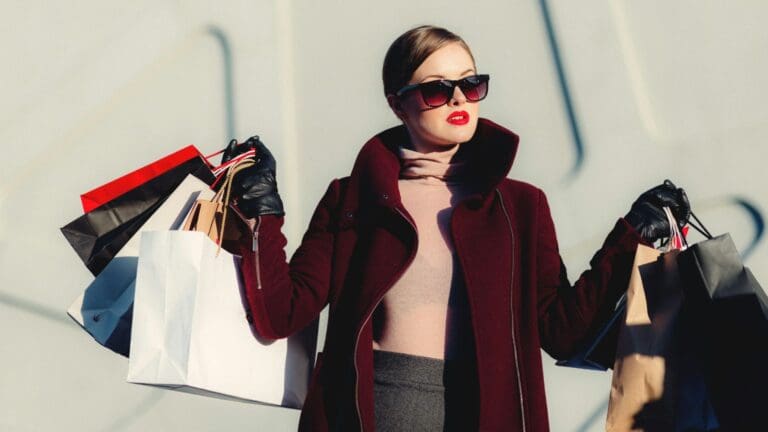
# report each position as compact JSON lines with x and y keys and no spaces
{"x":729,"y":310}
{"x":99,"y":234}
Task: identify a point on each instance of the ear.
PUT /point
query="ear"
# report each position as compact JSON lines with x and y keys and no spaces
{"x":396,"y":105}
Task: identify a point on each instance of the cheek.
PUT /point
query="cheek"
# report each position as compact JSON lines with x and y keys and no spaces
{"x":472,"y":109}
{"x":413,"y":105}
{"x":431,"y":122}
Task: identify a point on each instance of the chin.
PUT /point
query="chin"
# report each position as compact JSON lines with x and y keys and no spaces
{"x":448,"y":135}
{"x":462,"y":134}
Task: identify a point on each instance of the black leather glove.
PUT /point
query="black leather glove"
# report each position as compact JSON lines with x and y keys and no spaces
{"x":647,"y":213}
{"x":255,"y":188}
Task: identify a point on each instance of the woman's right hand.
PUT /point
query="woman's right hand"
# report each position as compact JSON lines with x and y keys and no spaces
{"x":255,"y":188}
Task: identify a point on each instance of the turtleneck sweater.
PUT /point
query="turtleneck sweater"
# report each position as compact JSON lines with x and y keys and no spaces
{"x":426,"y":311}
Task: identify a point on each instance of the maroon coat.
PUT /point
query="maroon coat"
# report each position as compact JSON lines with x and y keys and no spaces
{"x":361,"y":239}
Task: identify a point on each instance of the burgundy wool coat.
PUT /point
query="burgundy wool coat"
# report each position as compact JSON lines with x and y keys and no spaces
{"x":361,"y":239}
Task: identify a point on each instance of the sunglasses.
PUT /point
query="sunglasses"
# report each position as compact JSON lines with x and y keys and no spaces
{"x":438,"y":93}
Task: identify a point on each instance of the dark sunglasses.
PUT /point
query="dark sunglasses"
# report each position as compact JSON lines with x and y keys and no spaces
{"x":438,"y":93}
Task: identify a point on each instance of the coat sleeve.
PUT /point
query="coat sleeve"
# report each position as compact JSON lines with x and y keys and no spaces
{"x":283,"y":297}
{"x":567,"y":313}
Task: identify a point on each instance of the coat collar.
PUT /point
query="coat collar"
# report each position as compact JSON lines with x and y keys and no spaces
{"x":490,"y":153}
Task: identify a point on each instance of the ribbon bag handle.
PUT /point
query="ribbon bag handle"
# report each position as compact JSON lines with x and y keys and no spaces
{"x":676,"y":238}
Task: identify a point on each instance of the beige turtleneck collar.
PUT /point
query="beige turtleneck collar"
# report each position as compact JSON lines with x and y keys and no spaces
{"x":437,"y":167}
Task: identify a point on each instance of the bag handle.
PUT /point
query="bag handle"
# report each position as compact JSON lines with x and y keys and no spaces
{"x":224,"y":194}
{"x":702,"y":229}
{"x":676,"y":238}
{"x":224,"y":166}
{"x":239,"y":166}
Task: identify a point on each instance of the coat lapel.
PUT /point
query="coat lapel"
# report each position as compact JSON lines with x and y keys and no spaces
{"x":374,"y":176}
{"x":385,"y":225}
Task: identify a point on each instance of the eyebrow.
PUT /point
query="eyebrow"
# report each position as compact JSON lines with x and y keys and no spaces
{"x":442,"y":77}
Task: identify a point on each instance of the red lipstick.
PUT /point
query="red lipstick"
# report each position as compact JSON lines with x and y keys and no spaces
{"x":458,"y":118}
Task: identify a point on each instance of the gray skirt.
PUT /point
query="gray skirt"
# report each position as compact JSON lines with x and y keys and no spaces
{"x":415,"y":393}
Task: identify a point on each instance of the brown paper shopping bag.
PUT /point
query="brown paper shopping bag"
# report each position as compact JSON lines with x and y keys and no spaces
{"x":657,"y":383}
{"x":642,"y":389}
{"x":213,"y":216}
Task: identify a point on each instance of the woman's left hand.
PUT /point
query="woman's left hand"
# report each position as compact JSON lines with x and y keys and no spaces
{"x":647,"y":213}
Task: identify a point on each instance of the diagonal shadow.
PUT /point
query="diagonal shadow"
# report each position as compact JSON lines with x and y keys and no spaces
{"x":129,"y":418}
{"x":229,"y":92}
{"x":596,"y":415}
{"x":564,"y":90}
{"x":36,"y":309}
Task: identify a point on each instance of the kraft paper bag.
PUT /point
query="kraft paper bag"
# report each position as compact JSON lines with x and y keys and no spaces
{"x":641,"y":396}
{"x":210,"y":215}
{"x":658,"y":382}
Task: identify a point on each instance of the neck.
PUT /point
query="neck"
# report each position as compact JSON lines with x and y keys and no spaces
{"x":439,"y":153}
{"x":436,"y":149}
{"x":425,"y":147}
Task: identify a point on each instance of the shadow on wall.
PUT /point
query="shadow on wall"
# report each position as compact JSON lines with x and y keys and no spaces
{"x":565,"y":91}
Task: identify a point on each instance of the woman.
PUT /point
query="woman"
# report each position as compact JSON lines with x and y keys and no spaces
{"x":443,"y":276}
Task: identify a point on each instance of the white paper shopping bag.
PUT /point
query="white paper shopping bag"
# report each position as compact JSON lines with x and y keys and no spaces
{"x":104,"y":309}
{"x":190,"y":330}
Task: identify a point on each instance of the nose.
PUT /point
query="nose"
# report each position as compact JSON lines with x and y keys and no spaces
{"x":458,"y":97}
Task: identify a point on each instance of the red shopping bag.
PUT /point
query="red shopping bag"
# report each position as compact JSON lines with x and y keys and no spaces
{"x":117,"y":187}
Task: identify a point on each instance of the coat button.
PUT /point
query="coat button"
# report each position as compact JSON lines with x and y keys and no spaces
{"x":349,"y":215}
{"x":385,"y":196}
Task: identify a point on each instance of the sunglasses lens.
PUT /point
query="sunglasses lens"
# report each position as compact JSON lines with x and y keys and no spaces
{"x":474,"y":88}
{"x":436,"y":93}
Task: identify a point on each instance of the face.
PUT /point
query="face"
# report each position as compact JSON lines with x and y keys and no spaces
{"x":431,"y":129}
